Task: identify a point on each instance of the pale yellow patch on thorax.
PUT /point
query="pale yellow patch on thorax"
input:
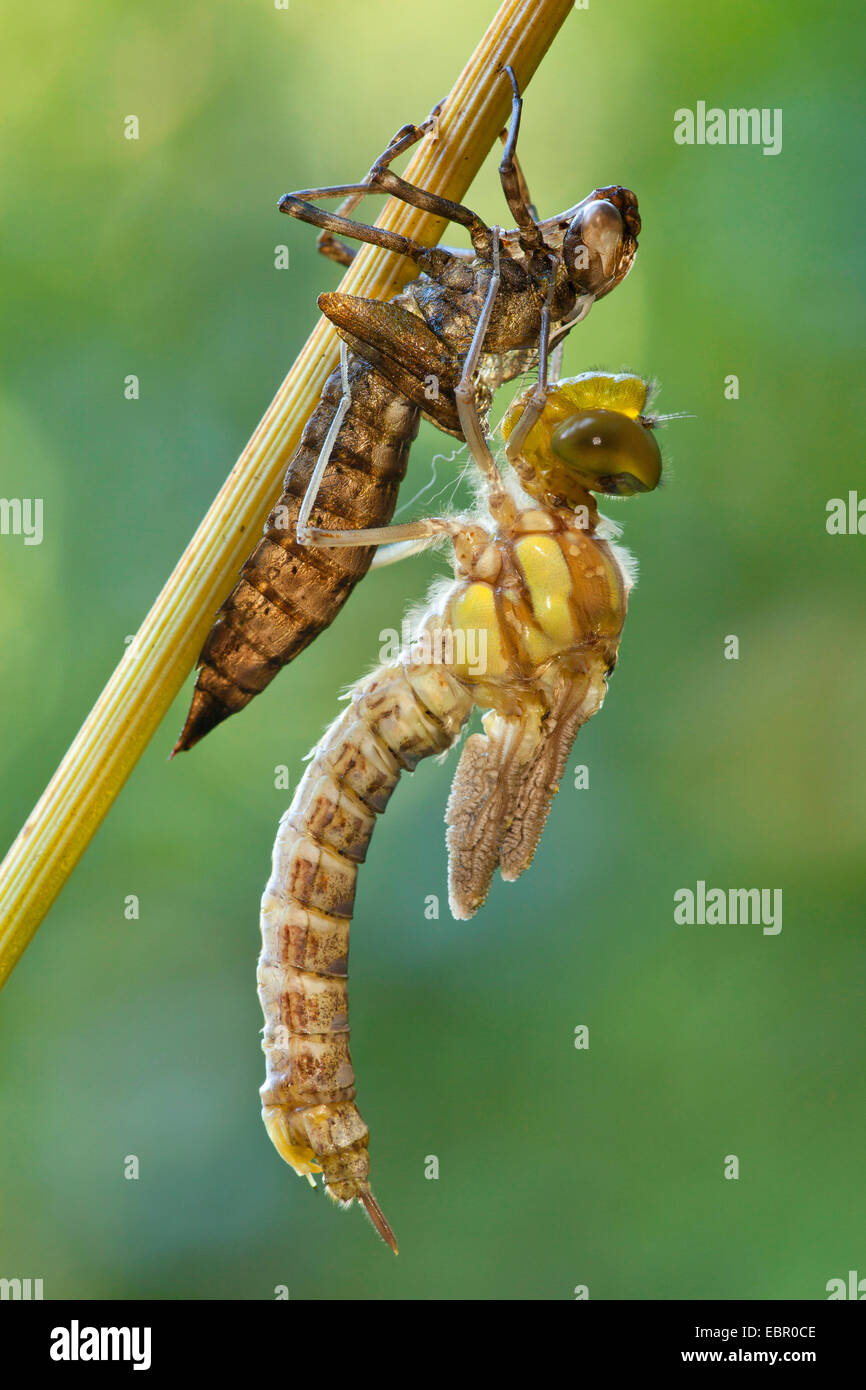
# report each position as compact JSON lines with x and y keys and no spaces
{"x":549,"y":584}
{"x":473,"y":612}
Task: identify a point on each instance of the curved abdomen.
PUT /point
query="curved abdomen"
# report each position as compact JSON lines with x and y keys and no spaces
{"x":397,"y":717}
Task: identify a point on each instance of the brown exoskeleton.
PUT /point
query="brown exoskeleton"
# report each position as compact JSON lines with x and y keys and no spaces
{"x":463,"y":327}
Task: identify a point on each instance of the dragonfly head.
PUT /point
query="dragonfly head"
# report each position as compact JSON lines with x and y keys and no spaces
{"x":601,"y":241}
{"x":592,"y":436}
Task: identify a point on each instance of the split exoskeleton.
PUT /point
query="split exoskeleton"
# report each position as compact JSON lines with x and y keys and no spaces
{"x":528,"y":632}
{"x":470,"y":321}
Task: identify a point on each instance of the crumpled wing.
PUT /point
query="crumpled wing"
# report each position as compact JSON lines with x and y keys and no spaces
{"x":505,"y":783}
{"x":486,"y":785}
{"x":574,"y":703}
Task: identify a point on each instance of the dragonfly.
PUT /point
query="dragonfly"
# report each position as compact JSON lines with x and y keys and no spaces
{"x":431,"y":351}
{"x":528,"y":632}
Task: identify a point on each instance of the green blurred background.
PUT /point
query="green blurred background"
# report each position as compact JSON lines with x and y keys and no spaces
{"x":557,"y":1167}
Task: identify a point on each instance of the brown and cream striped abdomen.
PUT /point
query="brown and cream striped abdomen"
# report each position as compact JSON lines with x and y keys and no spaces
{"x":398,"y":716}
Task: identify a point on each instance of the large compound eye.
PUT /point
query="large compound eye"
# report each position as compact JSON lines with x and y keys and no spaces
{"x":619,"y":455}
{"x":592,"y":243}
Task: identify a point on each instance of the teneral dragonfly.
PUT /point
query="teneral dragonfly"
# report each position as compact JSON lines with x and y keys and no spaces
{"x":529,"y":632}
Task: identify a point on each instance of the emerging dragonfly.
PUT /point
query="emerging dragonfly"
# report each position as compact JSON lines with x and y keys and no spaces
{"x":423,"y":353}
{"x":528,"y":631}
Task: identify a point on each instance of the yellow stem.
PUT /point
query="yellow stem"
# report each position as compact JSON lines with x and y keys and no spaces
{"x":125,"y":716}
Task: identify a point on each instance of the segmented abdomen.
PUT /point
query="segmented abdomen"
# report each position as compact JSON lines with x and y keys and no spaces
{"x":288,"y":593}
{"x":397,"y":716}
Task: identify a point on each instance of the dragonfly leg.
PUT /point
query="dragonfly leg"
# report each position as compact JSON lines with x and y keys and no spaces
{"x":331,"y":246}
{"x":382,"y":180}
{"x":387,"y":182}
{"x":429,"y":528}
{"x":537,"y":401}
{"x":303,"y":529}
{"x":548,"y":346}
{"x":296,"y":205}
{"x":556,"y":360}
{"x":511,"y":176}
{"x":336,"y":250}
{"x":467,"y":406}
